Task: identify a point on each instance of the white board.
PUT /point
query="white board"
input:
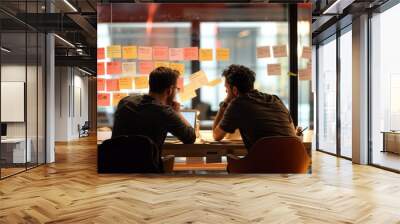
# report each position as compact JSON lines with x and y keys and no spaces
{"x":12,"y":101}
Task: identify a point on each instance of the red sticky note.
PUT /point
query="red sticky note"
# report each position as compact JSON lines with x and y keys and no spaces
{"x":114,"y":68}
{"x":160,"y":53}
{"x":100,"y":53}
{"x":112,"y":84}
{"x":101,"y":85}
{"x":191,"y":53}
{"x":145,"y":67}
{"x":180,"y":83}
{"x":176,"y":54}
{"x":103,"y":99}
{"x":100,"y":68}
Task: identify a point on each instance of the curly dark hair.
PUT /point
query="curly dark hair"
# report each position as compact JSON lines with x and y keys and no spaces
{"x":241,"y":77}
{"x":162,"y":78}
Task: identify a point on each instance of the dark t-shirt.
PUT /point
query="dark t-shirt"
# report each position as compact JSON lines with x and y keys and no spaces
{"x":143,"y":115}
{"x":257,"y":115}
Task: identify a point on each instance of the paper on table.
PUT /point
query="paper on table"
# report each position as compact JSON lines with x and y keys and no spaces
{"x":160,"y":53}
{"x":306,"y":52}
{"x":141,"y":82}
{"x":176,"y":54}
{"x":112,"y":84}
{"x":145,"y":67}
{"x":116,"y":97}
{"x":279,"y":51}
{"x":191,"y":53}
{"x":129,"y":52}
{"x":114,"y":68}
{"x":100,"y":53}
{"x":205,"y":54}
{"x":114,"y":51}
{"x":180,"y":67}
{"x":198,"y":79}
{"x":100,"y":68}
{"x":129,"y":68}
{"x":274,"y":69}
{"x":103,"y":99}
{"x":125,"y":83}
{"x":145,"y":53}
{"x":101,"y":85}
{"x":263,"y":52}
{"x":161,"y":64}
{"x":214,"y":82}
{"x":223,"y":54}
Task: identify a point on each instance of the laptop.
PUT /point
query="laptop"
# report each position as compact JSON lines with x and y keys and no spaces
{"x":190,"y":116}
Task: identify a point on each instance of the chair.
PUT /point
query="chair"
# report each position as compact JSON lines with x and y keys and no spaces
{"x":272,"y":155}
{"x":129,"y":154}
{"x":84,"y":130}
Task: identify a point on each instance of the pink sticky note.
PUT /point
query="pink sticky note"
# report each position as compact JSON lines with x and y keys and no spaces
{"x":145,"y":67}
{"x":100,"y":68}
{"x":160,"y":53}
{"x":114,"y":68}
{"x":100,"y":53}
{"x":103,"y":99}
{"x":191,"y":53}
{"x":180,"y":83}
{"x":176,"y":54}
{"x":101,"y":84}
{"x":112,"y":84}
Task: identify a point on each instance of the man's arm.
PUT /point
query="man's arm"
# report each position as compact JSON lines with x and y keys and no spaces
{"x":179,"y":126}
{"x":218,"y":133}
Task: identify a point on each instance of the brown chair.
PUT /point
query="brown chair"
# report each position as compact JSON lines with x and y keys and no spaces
{"x":272,"y":155}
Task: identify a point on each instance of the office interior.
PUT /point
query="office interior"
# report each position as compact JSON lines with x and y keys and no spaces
{"x":348,"y":104}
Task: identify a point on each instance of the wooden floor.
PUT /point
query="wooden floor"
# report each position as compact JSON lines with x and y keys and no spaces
{"x":70,"y":191}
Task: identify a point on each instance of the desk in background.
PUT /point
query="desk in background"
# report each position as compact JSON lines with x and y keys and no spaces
{"x":391,"y":141}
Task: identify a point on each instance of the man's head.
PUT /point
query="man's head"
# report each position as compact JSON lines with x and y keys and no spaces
{"x":238,"y":80}
{"x":163,"y":81}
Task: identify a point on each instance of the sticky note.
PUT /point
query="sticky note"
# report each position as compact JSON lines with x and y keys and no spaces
{"x":191,"y":53}
{"x":116,"y":97}
{"x":223,"y":54}
{"x":145,"y":53}
{"x":114,"y":51}
{"x":160,"y":53}
{"x":100,"y":53}
{"x":141,"y":82}
{"x":100,"y":68}
{"x":205,"y":54}
{"x":125,"y":83}
{"x":306,"y":52}
{"x":129,"y":52}
{"x":129,"y":68}
{"x":187,"y":94}
{"x":180,"y":83}
{"x":145,"y":67}
{"x":263,"y":52}
{"x":274,"y":69}
{"x":279,"y":51}
{"x":198,"y":79}
{"x":114,"y":68}
{"x":103,"y":99}
{"x":305,"y":74}
{"x":176,"y":54}
{"x":214,"y":82}
{"x":112,"y":84}
{"x":180,"y":67}
{"x":161,"y":64}
{"x":101,"y":85}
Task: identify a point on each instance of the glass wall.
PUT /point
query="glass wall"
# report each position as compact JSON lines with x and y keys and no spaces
{"x":385,"y":89}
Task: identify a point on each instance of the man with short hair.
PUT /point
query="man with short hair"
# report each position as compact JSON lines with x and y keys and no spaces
{"x":156,"y":113}
{"x":254,"y":113}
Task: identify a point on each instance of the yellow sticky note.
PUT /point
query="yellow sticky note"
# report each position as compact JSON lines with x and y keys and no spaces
{"x":161,"y":64}
{"x":114,"y":51}
{"x":129,"y":68}
{"x":205,"y":54}
{"x":223,"y":54}
{"x":187,"y":93}
{"x":198,"y":79}
{"x":141,"y":82}
{"x":116,"y":97}
{"x":179,"y":67}
{"x":214,"y":82}
{"x":125,"y":83}
{"x":129,"y":52}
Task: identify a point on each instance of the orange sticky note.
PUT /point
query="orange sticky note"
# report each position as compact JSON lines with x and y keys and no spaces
{"x":141,"y":82}
{"x":129,"y":68}
{"x":112,"y":84}
{"x":180,"y":83}
{"x":114,"y":51}
{"x":125,"y":83}
{"x":160,"y":53}
{"x":179,"y":67}
{"x":145,"y":53}
{"x":100,"y":68}
{"x":263,"y":52}
{"x":205,"y":54}
{"x":101,"y":85}
{"x":191,"y":53}
{"x":214,"y":82}
{"x":103,"y":99}
{"x":114,"y":68}
{"x":223,"y":54}
{"x":187,"y":93}
{"x":176,"y":54}
{"x":100,"y":53}
{"x":145,"y":67}
{"x":306,"y":52}
{"x":129,"y":52}
{"x":279,"y":51}
{"x":274,"y":69}
{"x":161,"y":64}
{"x":116,"y":97}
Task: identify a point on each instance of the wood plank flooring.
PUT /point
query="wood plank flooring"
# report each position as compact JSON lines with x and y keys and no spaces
{"x":70,"y":191}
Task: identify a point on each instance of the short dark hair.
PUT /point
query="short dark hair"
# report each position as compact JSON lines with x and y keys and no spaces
{"x":241,"y":77}
{"x":162,"y":78}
